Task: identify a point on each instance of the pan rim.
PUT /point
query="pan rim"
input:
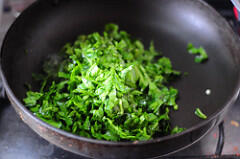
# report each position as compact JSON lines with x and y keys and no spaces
{"x":16,"y":101}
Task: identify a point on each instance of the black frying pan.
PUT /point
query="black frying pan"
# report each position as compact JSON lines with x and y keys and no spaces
{"x":47,"y":25}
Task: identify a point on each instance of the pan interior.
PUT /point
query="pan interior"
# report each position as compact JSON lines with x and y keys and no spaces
{"x":171,"y":24}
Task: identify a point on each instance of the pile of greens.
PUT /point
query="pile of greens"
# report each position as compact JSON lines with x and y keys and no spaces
{"x":107,"y":86}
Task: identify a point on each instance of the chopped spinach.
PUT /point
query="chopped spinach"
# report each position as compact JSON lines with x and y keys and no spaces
{"x":107,"y":86}
{"x":200,"y":114}
{"x":200,"y":52}
{"x":177,"y":129}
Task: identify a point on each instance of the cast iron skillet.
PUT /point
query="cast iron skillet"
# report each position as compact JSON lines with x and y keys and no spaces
{"x":47,"y":25}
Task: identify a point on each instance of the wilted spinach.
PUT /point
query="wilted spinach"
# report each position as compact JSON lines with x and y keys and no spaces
{"x":200,"y":52}
{"x":107,"y":86}
{"x":200,"y":114}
